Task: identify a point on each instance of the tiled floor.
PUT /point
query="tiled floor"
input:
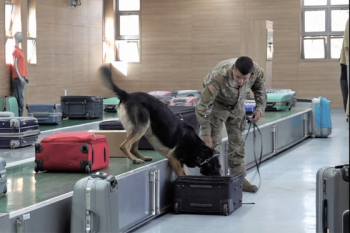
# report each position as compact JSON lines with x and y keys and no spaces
{"x":286,"y":200}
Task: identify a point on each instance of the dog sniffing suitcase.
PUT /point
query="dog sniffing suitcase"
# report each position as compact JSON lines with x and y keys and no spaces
{"x":321,"y":117}
{"x":205,"y":194}
{"x":3,"y":177}
{"x":88,"y":107}
{"x":186,"y":113}
{"x":332,"y":198}
{"x":95,"y":204}
{"x":75,"y":151}
{"x":45,"y":113}
{"x":18,"y":131}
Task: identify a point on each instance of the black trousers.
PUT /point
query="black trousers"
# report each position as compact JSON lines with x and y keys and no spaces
{"x":344,"y":84}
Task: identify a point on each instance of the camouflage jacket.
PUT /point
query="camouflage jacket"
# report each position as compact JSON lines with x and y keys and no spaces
{"x":220,"y":87}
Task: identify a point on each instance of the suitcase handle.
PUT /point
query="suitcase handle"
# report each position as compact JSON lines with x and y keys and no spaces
{"x":201,"y":186}
{"x":324,"y":216}
{"x":96,"y":222}
{"x":101,"y":175}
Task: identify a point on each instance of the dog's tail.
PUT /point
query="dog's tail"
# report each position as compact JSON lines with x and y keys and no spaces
{"x":105,"y":73}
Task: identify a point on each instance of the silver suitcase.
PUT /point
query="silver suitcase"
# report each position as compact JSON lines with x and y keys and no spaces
{"x":3,"y":177}
{"x":332,"y":198}
{"x":95,"y":204}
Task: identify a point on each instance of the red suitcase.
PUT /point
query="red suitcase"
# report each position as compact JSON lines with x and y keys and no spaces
{"x":76,"y":151}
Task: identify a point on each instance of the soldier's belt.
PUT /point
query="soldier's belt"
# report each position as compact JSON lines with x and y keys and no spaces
{"x":230,"y":107}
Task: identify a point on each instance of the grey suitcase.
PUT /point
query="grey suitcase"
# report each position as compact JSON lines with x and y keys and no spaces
{"x":95,"y":204}
{"x":88,"y":107}
{"x":3,"y":177}
{"x":332,"y":198}
{"x":6,"y":114}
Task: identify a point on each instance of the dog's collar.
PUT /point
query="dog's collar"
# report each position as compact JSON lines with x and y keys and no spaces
{"x":207,"y":160}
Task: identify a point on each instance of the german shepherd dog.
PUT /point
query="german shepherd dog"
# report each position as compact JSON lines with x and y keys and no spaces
{"x":144,"y":115}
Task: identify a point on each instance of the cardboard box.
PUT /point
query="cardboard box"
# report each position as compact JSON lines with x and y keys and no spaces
{"x":114,"y":139}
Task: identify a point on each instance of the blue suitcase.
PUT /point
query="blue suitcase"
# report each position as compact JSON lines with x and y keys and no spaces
{"x":3,"y":177}
{"x":45,"y":113}
{"x":88,"y":107}
{"x":18,"y":131}
{"x":321,"y":117}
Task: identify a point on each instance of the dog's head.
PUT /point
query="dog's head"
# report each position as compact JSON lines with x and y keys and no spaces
{"x":210,"y":166}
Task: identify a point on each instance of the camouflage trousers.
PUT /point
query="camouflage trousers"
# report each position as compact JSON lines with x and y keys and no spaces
{"x":234,"y":128}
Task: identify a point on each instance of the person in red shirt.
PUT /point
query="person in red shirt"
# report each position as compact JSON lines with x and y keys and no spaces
{"x":19,"y":73}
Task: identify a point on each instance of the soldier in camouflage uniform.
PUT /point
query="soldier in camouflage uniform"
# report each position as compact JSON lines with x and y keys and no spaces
{"x":222,"y":101}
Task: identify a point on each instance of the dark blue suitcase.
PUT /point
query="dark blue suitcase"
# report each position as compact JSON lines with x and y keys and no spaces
{"x":88,"y":107}
{"x":45,"y":113}
{"x":18,"y":131}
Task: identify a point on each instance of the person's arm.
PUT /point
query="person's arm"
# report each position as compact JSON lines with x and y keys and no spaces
{"x":17,"y":71}
{"x":204,"y":107}
{"x":259,"y":91}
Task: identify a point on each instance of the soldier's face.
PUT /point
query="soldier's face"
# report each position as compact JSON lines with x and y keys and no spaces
{"x":239,"y":78}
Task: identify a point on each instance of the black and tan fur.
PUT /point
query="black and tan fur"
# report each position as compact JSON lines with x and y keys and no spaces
{"x":144,"y":115}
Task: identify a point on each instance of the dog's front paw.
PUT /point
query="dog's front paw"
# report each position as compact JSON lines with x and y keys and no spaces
{"x":137,"y":161}
{"x":148,"y":158}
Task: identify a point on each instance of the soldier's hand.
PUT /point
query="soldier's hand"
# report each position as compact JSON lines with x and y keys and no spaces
{"x":208,"y":141}
{"x":257,"y":116}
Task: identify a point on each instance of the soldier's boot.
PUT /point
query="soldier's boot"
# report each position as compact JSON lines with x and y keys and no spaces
{"x":247,"y":187}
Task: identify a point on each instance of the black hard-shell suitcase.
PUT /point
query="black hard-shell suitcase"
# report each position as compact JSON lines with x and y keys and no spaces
{"x":205,"y":194}
{"x":18,"y":131}
{"x":95,"y":204}
{"x":332,"y":198}
{"x":88,"y":107}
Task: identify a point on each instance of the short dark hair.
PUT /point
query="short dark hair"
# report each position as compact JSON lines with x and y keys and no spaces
{"x":244,"y":65}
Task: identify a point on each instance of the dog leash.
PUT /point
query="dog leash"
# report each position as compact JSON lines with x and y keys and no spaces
{"x":257,"y":164}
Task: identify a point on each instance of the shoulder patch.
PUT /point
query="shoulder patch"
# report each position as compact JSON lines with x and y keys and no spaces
{"x":212,"y":89}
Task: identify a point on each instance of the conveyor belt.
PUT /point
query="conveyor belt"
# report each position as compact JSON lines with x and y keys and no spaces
{"x":26,"y":188}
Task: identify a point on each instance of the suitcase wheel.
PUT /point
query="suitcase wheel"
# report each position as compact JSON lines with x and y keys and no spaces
{"x":87,"y":115}
{"x":36,"y":168}
{"x":225,"y":209}
{"x":176,"y":208}
{"x":87,"y":169}
{"x":313,"y":135}
{"x":5,"y":190}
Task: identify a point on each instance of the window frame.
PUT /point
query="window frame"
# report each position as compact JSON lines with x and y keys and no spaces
{"x":328,"y":34}
{"x":127,"y":38}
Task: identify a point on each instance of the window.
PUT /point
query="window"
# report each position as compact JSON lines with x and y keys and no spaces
{"x":9,"y":41}
{"x":31,"y":34}
{"x":323,"y":25}
{"x":128,"y":30}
